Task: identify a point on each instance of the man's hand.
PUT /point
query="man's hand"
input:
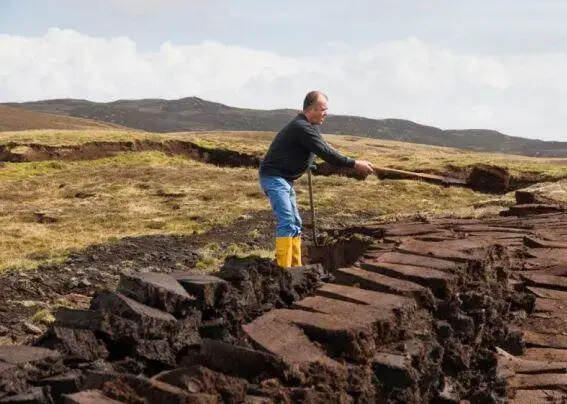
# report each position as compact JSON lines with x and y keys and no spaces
{"x":363,"y":166}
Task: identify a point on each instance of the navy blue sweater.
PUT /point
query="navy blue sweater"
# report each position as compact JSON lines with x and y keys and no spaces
{"x":294,"y":148}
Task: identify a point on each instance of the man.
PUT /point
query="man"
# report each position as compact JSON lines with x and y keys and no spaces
{"x":290,"y":155}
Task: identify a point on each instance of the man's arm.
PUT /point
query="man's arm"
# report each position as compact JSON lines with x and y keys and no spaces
{"x":315,"y":143}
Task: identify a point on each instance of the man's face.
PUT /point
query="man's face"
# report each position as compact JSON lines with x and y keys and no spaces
{"x":318,"y":112}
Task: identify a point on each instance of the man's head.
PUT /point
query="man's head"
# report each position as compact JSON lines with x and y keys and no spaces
{"x":315,"y":107}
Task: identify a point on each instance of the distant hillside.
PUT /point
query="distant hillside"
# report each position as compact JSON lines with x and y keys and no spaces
{"x":15,"y":119}
{"x":192,"y":113}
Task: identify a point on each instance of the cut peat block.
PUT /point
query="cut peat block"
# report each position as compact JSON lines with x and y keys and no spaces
{"x":550,"y":305}
{"x":538,"y":381}
{"x":394,"y":369}
{"x":158,"y":290}
{"x":75,"y":344}
{"x":556,"y":256}
{"x":489,"y":229}
{"x":277,"y":335}
{"x":439,"y":282}
{"x":122,"y":306}
{"x":546,"y":354}
{"x":548,"y":293}
{"x":382,"y":283}
{"x":534,"y":242}
{"x":381,"y":321}
{"x":22,"y":364}
{"x":533,"y":209}
{"x":236,"y":360}
{"x":437,"y":250}
{"x":365,"y":296}
{"x":409,"y":229}
{"x":208,"y":289}
{"x":22,"y":354}
{"x":419,"y":261}
{"x":545,"y":340}
{"x":327,"y":322}
{"x":546,"y":281}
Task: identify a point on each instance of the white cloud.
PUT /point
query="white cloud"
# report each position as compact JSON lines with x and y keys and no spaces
{"x":523,"y":95}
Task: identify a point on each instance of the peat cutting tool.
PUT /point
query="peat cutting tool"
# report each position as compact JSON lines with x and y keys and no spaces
{"x":311,"y":206}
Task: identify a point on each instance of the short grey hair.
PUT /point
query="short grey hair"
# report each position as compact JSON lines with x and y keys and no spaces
{"x":312,"y":97}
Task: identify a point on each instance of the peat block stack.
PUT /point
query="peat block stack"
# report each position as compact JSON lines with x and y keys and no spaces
{"x":444,"y":311}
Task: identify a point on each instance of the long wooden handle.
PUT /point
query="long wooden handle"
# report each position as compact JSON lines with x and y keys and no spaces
{"x":312,"y":207}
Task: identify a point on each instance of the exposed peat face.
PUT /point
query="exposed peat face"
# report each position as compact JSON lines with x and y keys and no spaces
{"x":441,"y":311}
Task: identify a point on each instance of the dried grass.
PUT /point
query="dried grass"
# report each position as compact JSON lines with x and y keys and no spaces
{"x":52,"y":208}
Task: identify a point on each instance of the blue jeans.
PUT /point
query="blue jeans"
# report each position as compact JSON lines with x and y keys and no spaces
{"x":282,"y":198}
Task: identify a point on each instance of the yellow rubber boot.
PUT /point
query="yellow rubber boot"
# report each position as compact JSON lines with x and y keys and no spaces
{"x":283,"y":251}
{"x":296,"y":251}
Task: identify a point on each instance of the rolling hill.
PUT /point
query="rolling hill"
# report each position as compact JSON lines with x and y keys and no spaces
{"x":194,"y":114}
{"x":15,"y":119}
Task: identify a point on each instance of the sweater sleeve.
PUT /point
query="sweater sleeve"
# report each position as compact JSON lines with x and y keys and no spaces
{"x":314,"y":142}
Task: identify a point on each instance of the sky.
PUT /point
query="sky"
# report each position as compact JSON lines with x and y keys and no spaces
{"x":453,"y":64}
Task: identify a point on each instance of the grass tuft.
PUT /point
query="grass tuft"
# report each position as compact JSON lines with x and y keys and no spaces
{"x":43,"y":316}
